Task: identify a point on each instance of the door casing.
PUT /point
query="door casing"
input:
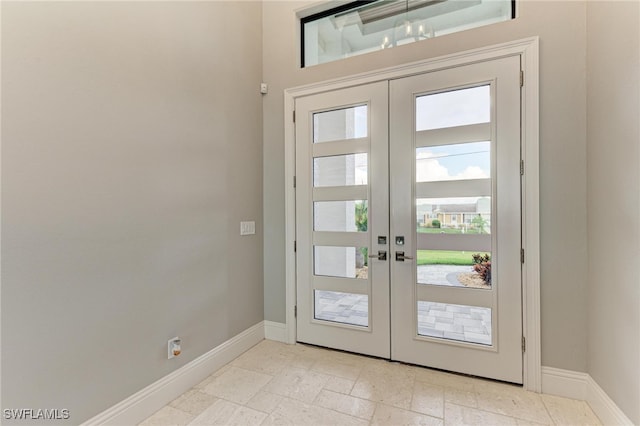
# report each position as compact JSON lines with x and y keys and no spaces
{"x":527,"y":49}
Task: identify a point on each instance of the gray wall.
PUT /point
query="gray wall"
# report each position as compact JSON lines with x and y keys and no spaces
{"x":613,"y":88}
{"x":562,"y":30}
{"x":131,"y":150}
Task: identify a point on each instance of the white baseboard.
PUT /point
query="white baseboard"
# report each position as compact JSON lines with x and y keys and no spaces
{"x":576,"y":385}
{"x":147,"y":401}
{"x":275,"y":331}
{"x":566,"y":383}
{"x":604,"y":407}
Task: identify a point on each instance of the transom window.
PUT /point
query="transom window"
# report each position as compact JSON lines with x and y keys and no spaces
{"x":367,"y":26}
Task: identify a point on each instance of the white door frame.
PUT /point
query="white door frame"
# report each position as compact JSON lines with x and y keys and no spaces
{"x":528,"y":51}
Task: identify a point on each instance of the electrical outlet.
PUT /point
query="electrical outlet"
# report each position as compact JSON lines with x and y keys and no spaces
{"x":174,"y":347}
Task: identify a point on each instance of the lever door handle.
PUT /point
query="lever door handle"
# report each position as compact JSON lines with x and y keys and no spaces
{"x":382,"y":255}
{"x":400,"y":257}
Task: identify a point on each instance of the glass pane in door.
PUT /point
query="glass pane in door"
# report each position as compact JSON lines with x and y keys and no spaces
{"x":340,"y":216}
{"x":453,"y":268}
{"x":470,"y":324}
{"x":453,"y":162}
{"x":340,"y":124}
{"x":340,"y":170}
{"x":453,"y":108}
{"x":346,"y":308}
{"x":459,"y":215}
{"x":341,"y":262}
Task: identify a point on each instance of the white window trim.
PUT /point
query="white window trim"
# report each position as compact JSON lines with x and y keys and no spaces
{"x":528,"y":50}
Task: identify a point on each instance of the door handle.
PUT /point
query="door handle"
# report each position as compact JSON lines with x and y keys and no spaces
{"x":400,"y":257}
{"x":382,"y":255}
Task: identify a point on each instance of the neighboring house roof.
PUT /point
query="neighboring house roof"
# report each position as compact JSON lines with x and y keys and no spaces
{"x":481,"y":206}
{"x":455,"y":208}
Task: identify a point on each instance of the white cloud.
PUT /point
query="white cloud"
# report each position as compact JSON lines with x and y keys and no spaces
{"x":429,"y":169}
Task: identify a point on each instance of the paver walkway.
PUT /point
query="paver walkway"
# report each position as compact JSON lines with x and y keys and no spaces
{"x":463,"y":323}
{"x":442,"y":274}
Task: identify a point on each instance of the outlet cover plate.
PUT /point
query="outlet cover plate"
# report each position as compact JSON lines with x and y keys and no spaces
{"x":247,"y":228}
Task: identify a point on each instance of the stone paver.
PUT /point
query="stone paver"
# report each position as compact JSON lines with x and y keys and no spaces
{"x":342,"y":307}
{"x":464,"y":323}
{"x":442,"y":274}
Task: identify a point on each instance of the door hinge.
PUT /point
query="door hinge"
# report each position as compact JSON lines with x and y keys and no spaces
{"x":294,"y":181}
{"x":295,"y":246}
{"x":521,"y":255}
{"x":294,"y":115}
{"x":521,"y":167}
{"x":524,"y":344}
{"x":295,"y":311}
{"x":521,"y":79}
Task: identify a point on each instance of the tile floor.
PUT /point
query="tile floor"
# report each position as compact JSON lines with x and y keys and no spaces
{"x":278,"y":384}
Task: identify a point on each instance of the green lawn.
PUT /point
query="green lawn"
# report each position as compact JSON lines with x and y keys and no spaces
{"x":443,"y":257}
{"x":425,"y":230}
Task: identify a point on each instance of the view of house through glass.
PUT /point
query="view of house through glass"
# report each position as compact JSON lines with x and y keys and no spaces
{"x":367,"y":26}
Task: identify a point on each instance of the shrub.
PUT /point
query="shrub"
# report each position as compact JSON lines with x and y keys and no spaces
{"x":479,"y":258}
{"x":482,"y":266}
{"x":435,"y":223}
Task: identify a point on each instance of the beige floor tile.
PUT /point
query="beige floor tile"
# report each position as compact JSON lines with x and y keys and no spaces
{"x":566,"y":411}
{"x":304,"y":356}
{"x":339,"y":368}
{"x":237,"y":385}
{"x":266,"y":357}
{"x":386,"y":415}
{"x":193,"y":402}
{"x":488,"y":386}
{"x":219,"y":413}
{"x":457,"y":415}
{"x":346,"y":404}
{"x":245,"y":416}
{"x":291,"y":412}
{"x":228,"y":413}
{"x":521,"y":422}
{"x":296,"y":383}
{"x":428,"y":399}
{"x":514,"y":402}
{"x":449,"y":380}
{"x":460,"y":397}
{"x":265,"y":401}
{"x":339,"y":384}
{"x":168,"y":416}
{"x":316,"y":386}
{"x":212,"y":377}
{"x":388,"y":383}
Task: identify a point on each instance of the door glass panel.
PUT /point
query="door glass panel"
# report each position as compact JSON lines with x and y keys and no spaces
{"x":465,"y":215}
{"x":454,"y":268}
{"x":340,"y":216}
{"x":453,"y":162}
{"x":340,"y":170}
{"x":454,"y":322}
{"x":453,"y":108}
{"x":341,"y":262}
{"x":340,"y":124}
{"x":346,"y":308}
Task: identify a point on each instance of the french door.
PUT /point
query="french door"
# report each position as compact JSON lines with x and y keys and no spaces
{"x":408,"y":219}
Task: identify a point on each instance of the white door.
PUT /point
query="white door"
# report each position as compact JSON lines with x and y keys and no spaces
{"x":455,"y":193}
{"x":342,"y":219}
{"x":424,"y":169}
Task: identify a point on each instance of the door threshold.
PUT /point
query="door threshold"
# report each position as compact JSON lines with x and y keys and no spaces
{"x":389,"y":360}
